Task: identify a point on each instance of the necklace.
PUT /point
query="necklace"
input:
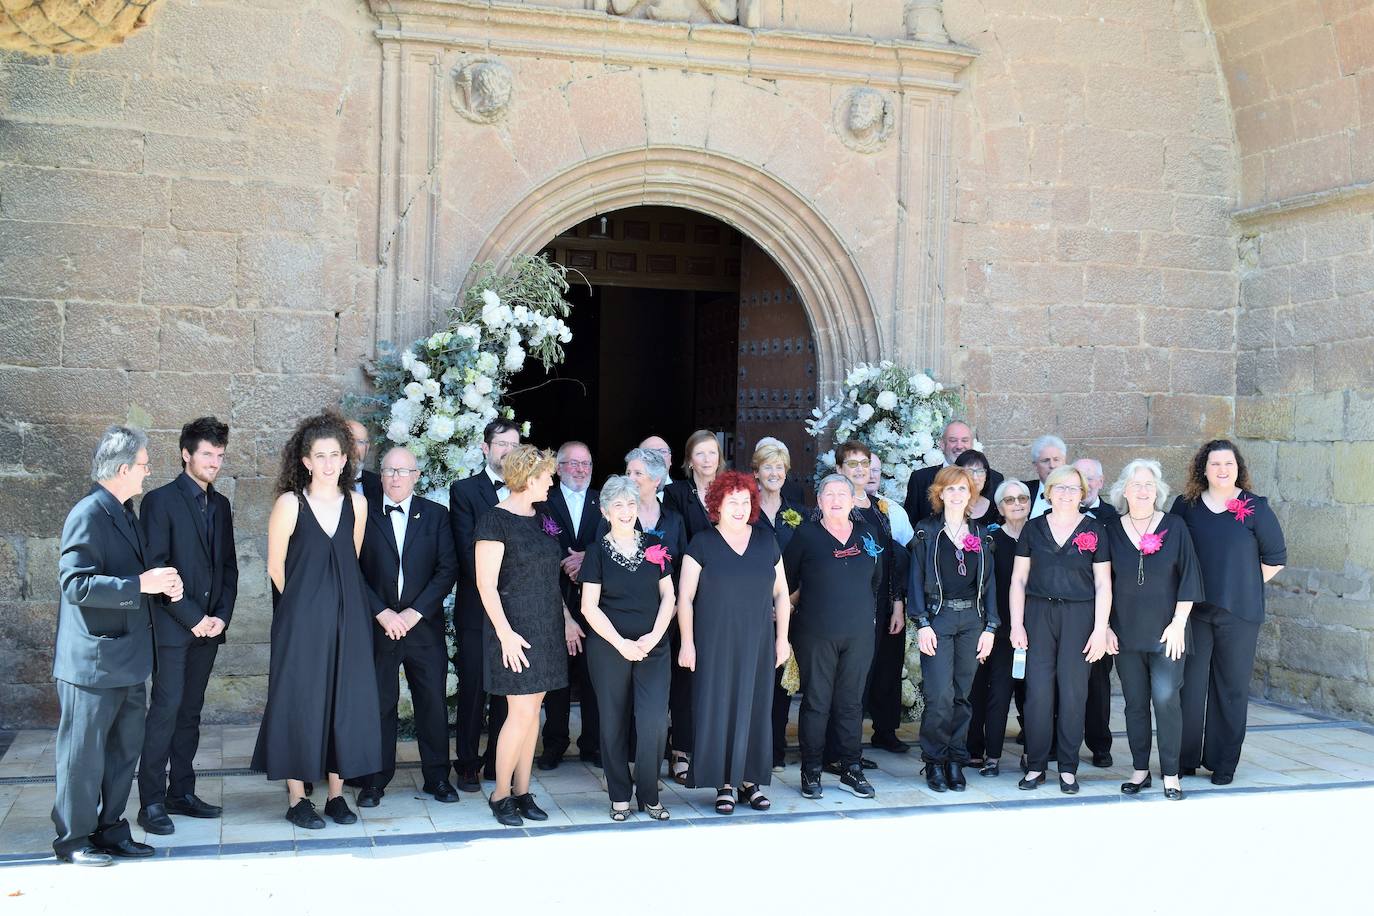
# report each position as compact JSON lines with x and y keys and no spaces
{"x":629,"y":561}
{"x":1140,"y":563}
{"x":958,"y":546}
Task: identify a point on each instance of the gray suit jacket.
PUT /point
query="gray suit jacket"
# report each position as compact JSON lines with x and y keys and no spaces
{"x":104,"y":623}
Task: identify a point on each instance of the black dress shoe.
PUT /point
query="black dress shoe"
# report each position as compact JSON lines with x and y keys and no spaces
{"x":442,"y":791}
{"x":1173,"y":794}
{"x":467,"y":781}
{"x":126,"y":849}
{"x":1102,"y":759}
{"x":90,"y":857}
{"x":304,"y":815}
{"x":1026,"y":783}
{"x":990,"y":768}
{"x":935,"y":777}
{"x":866,"y":763}
{"x":1187,"y":771}
{"x":1133,"y":788}
{"x":548,"y":761}
{"x":1068,"y":788}
{"x":154,"y":819}
{"x":338,"y":811}
{"x":192,"y":806}
{"x":1222,"y":779}
{"x":528,"y":809}
{"x":890,"y":743}
{"x":833,"y":768}
{"x":505,"y":812}
{"x":368,"y":798}
{"x":954,"y":776}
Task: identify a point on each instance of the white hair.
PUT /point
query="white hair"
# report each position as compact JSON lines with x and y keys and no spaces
{"x":828,"y":479}
{"x":653,"y":463}
{"x":1118,"y":490}
{"x":1093,"y":463}
{"x":618,"y":486}
{"x":118,"y":447}
{"x":1006,"y":486}
{"x":1047,"y":441}
{"x":566,"y":446}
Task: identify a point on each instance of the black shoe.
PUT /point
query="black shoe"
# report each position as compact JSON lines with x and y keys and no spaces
{"x":811,"y":783}
{"x":505,"y":812}
{"x":833,"y":768}
{"x":89,"y":856}
{"x":1102,"y":759}
{"x":954,"y":775}
{"x":338,"y":811}
{"x":1068,"y":788}
{"x":442,"y":791}
{"x":304,"y":815}
{"x":1173,"y":794}
{"x":1026,"y":783}
{"x":154,"y":819}
{"x":779,"y":764}
{"x":548,"y":761}
{"x":468,"y":782}
{"x":126,"y":849}
{"x":528,"y":809}
{"x":890,"y":743}
{"x":935,"y":777}
{"x":867,"y":764}
{"x":192,"y":805}
{"x":990,"y":768}
{"x":368,"y":798}
{"x":853,"y":780}
{"x":1187,"y":771}
{"x":1133,"y":788}
{"x":1222,"y":779}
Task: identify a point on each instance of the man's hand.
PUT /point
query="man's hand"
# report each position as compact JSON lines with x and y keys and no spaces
{"x":410,"y":617}
{"x":572,"y":563}
{"x":391,"y":624}
{"x":205,"y":627}
{"x":161,"y":581}
{"x":217,"y":625}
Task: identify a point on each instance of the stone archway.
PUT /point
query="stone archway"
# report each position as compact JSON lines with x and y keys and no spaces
{"x":759,"y":205}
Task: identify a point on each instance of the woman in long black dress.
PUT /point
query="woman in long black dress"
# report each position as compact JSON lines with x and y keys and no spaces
{"x":781,"y":517}
{"x":1240,"y":547}
{"x":322,"y":715}
{"x":732,"y":590}
{"x":1155,"y":581}
{"x":628,"y":601}
{"x":527,"y":640}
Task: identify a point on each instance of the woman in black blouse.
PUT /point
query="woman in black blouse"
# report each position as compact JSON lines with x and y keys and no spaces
{"x":984,"y":510}
{"x":1061,"y":597}
{"x":834,"y":568}
{"x":781,"y":517}
{"x":1239,"y":547}
{"x":687,"y":497}
{"x":1155,"y":581}
{"x":628,"y":601}
{"x":953,"y":597}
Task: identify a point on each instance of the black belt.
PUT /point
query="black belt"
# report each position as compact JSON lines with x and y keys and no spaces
{"x":957,"y":604}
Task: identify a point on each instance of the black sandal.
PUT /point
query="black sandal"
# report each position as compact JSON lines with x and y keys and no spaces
{"x":679,"y":759}
{"x":620,"y":815}
{"x":753,"y":796}
{"x":725,"y":800}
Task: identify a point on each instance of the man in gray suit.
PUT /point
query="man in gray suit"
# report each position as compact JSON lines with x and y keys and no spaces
{"x":104,"y":654}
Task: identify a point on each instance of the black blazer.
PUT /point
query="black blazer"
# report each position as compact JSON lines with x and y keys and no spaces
{"x":175,"y":537}
{"x":556,"y":507}
{"x":681,"y":497}
{"x":372,"y":488}
{"x":104,"y":622}
{"x":428,"y":557}
{"x":468,"y":500}
{"x":917,"y":502}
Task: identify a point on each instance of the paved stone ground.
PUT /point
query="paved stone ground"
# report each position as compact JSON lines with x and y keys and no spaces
{"x":1286,"y":750}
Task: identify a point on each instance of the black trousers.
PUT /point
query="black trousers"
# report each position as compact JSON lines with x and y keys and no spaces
{"x":1057,"y":632}
{"x":885,"y":677}
{"x":947,"y":680}
{"x":425,"y":661}
{"x":558,"y":710}
{"x":1216,"y":689}
{"x":99,"y":736}
{"x":472,"y":703}
{"x":1097,"y":715}
{"x":681,"y":735}
{"x":1152,"y":678}
{"x":990,"y":700}
{"x":633,"y":698}
{"x":171,"y":730}
{"x":833,"y":671}
{"x":782,"y":708}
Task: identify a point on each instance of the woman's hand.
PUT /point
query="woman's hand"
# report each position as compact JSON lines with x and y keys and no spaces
{"x":1096,"y":646}
{"x":513,"y":647}
{"x":1173,"y":638}
{"x":631,"y":650}
{"x":926,"y":641}
{"x":984,"y":646}
{"x":1018,"y":637}
{"x":649,"y":641}
{"x":573,"y":635}
{"x":782,"y":651}
{"x":897,"y":622}
{"x":687,"y":656}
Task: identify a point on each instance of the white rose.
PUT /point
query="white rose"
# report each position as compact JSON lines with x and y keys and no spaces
{"x":487,"y":364}
{"x":525,"y":429}
{"x":865,"y":413}
{"x":472,"y":332}
{"x":472,"y":398}
{"x":431,"y":387}
{"x":490,"y":298}
{"x":398,"y":431}
{"x":440,"y":428}
{"x":827,"y":460}
{"x":483,"y":384}
{"x":923,"y":385}
{"x":414,"y":392}
{"x":933,"y":458}
{"x":420,"y":371}
{"x":564,"y":335}
{"x":520,"y":314}
{"x":924,"y":441}
{"x":407,"y":360}
{"x":515,"y":358}
{"x":887,"y":400}
{"x":494,"y":315}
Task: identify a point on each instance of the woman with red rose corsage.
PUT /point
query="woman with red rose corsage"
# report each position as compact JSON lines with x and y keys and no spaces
{"x":628,"y":601}
{"x":1155,"y":582}
{"x":1240,"y":547}
{"x":952,"y":595}
{"x":1061,"y":598}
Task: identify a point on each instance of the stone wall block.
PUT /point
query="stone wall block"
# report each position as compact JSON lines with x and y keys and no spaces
{"x":103,"y":336}
{"x":1168,"y":327}
{"x":188,"y":268}
{"x":1332,"y":236}
{"x":172,"y":398}
{"x":219,"y":340}
{"x":1099,"y":416}
{"x":30,"y":332}
{"x":1345,"y":364}
{"x":1203,"y":371}
{"x":58,"y":260}
{"x":1198,"y":289}
{"x":282,"y":271}
{"x":1125,"y":285}
{"x":1195,"y":417}
{"x":1359,"y":415}
{"x":71,"y":147}
{"x":1098,"y":245}
{"x":1094,"y":325}
{"x":1352,"y":470}
{"x":1135,"y":369}
{"x":1320,"y":417}
{"x":293,"y":342}
{"x":1304,"y":472}
{"x":1265,"y":417}
{"x":76,"y":196}
{"x":262,"y":401}
{"x":1317,"y":535}
{"x":1324,"y":651}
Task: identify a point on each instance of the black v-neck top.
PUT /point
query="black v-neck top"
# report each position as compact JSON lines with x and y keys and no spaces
{"x":1231,"y":552}
{"x":1141,"y":610}
{"x":838,"y":582}
{"x":1063,"y":573}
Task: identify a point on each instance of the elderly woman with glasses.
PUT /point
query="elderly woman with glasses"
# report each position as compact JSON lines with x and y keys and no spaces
{"x":628,"y":601}
{"x":1061,"y":597}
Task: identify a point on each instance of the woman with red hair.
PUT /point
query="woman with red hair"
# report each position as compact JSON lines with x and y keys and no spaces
{"x":731,"y":591}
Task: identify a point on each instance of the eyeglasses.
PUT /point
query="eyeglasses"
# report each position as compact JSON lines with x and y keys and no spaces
{"x":576,"y":465}
{"x":1015,"y":499}
{"x":1066,"y":488}
{"x":977,"y":472}
{"x":858,"y":462}
{"x":398,"y":472}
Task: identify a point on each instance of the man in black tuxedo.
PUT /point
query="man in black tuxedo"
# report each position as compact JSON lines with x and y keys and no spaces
{"x":468,"y":499}
{"x":364,"y":481}
{"x":1097,"y":729}
{"x":575,"y":508}
{"x":410,"y":567}
{"x":187,"y":524}
{"x":956,"y":439}
{"x":103,"y":654}
{"x":1047,"y":453}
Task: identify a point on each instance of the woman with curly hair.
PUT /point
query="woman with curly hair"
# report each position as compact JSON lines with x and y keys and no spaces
{"x":1239,"y":548}
{"x":321,"y":715}
{"x":732,"y":589}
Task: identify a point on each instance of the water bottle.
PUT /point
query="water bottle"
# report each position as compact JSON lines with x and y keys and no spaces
{"x":1018,"y":664}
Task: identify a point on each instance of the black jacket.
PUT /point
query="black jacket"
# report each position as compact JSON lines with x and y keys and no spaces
{"x":175,"y":537}
{"x":923,"y":577}
{"x":372,"y":487}
{"x":427,"y":556}
{"x":556,"y":507}
{"x":468,"y":500}
{"x":917,"y":502}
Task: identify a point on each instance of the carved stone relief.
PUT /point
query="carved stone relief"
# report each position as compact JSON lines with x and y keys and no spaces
{"x":925,"y":21}
{"x":732,"y":12}
{"x":482,"y":89}
{"x":864,"y":119}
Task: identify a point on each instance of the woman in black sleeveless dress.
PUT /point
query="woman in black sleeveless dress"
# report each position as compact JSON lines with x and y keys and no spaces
{"x":322,"y":715}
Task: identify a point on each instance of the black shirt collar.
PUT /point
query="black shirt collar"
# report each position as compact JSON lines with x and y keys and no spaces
{"x":191,"y":488}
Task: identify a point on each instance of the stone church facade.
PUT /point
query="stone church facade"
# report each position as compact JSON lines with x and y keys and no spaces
{"x":1135,"y":223}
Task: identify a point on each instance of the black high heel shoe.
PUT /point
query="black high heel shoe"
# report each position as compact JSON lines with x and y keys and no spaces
{"x":1133,"y":788}
{"x":505,"y":813}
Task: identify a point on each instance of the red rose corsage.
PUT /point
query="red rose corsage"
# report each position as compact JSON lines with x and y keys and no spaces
{"x":658,"y":555}
{"x":1151,"y":541}
{"x":1086,"y":542}
{"x":972,"y":543}
{"x":1241,"y":508}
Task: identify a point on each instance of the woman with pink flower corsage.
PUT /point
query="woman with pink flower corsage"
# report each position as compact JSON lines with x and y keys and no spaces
{"x":1155,"y":582}
{"x":1061,"y":598}
{"x":952,"y":594}
{"x":1240,"y":547}
{"x":628,"y":601}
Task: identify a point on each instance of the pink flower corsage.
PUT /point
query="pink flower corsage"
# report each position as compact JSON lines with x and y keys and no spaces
{"x":550,"y":526}
{"x":1241,"y":508}
{"x":972,"y":543}
{"x":658,"y":555}
{"x":1151,"y":541}
{"x":1085,"y":542}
